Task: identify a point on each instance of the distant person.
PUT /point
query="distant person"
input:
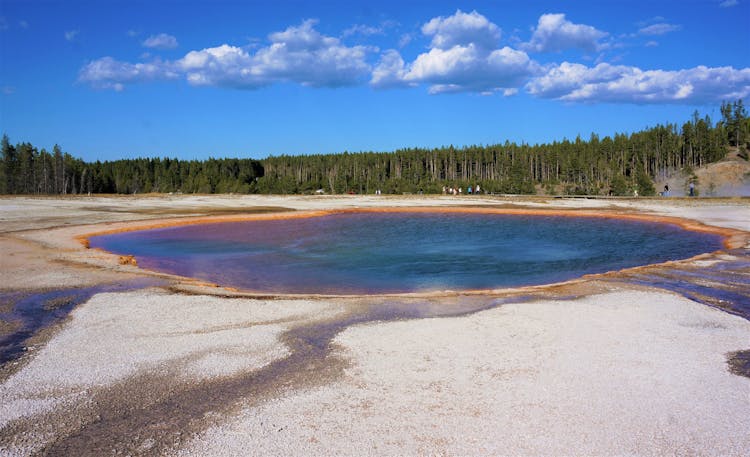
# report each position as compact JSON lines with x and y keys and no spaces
{"x":468,"y":191}
{"x":692,"y":189}
{"x":476,"y":189}
{"x":666,"y":190}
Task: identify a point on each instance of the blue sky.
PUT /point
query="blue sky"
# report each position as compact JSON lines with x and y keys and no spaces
{"x":193,"y":79}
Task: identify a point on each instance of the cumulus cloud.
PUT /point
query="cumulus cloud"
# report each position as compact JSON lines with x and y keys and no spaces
{"x":298,"y":54}
{"x":729,"y":3}
{"x":626,"y":84}
{"x":554,"y":33}
{"x":390,"y":71}
{"x":462,"y":29}
{"x":223,"y":65}
{"x":108,"y":73}
{"x":468,"y":68}
{"x":659,"y":29}
{"x":464,"y":56}
{"x":160,"y":41}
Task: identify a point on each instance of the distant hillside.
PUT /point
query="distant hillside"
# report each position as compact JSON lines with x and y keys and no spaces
{"x":729,"y":177}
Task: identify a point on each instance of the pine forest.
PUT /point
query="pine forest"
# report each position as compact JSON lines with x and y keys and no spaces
{"x":612,"y":165}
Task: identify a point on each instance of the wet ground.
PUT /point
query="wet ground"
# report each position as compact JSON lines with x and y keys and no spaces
{"x":724,"y":284}
{"x":27,"y":312}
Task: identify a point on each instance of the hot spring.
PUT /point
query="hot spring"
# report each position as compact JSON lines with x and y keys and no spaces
{"x":401,"y":252}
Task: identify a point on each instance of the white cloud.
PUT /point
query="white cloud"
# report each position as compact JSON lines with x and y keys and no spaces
{"x":554,"y":33}
{"x":625,"y":84}
{"x":660,"y":28}
{"x":729,"y":3}
{"x":302,"y":37}
{"x":219,"y":66}
{"x":390,"y":71}
{"x":462,"y":29}
{"x":108,"y":73}
{"x":132,"y":33}
{"x":368,"y":30}
{"x":23,"y":24}
{"x":71,"y":35}
{"x":468,"y":68}
{"x":160,"y":41}
{"x":361,"y":29}
{"x":298,"y":54}
{"x":464,"y":57}
{"x":651,"y":44}
{"x":404,"y":40}
{"x":649,"y":21}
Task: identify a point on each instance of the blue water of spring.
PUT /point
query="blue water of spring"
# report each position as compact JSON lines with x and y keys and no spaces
{"x":365,"y":253}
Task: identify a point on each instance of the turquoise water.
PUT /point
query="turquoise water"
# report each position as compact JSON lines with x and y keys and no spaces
{"x":404,"y":252}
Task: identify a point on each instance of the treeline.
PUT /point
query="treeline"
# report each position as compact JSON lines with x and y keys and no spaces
{"x":26,"y":170}
{"x":212,"y":176}
{"x":615,"y":165}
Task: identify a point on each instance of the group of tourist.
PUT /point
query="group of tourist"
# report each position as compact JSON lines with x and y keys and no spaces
{"x":476,"y":190}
